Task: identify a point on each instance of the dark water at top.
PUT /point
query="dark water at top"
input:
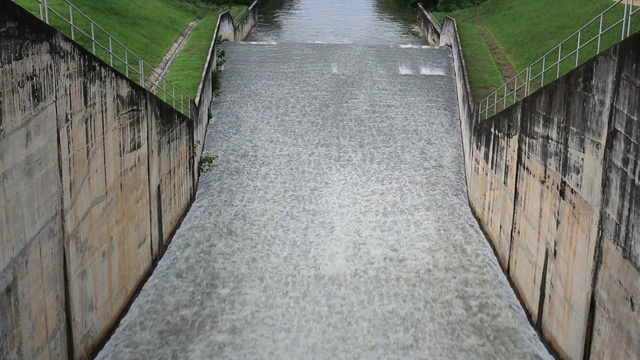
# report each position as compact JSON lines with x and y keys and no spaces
{"x":335,"y":223}
{"x":336,"y":21}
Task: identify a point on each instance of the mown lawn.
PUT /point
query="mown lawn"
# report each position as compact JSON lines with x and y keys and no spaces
{"x":147,"y":29}
{"x":525,"y":30}
{"x":188,"y":66}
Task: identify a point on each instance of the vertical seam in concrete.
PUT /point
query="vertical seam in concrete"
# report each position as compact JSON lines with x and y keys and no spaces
{"x":543,"y":290}
{"x":598,"y":253}
{"x":65,"y":266}
{"x":148,"y":113}
{"x":191,"y":125}
{"x":44,"y":296}
{"x":160,"y":231}
{"x":516,"y":195}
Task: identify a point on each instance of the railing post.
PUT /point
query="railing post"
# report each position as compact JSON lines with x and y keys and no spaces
{"x":515,"y":90}
{"x":40,"y":7}
{"x":174,"y":96}
{"x":504,"y":100}
{"x":181,"y":103}
{"x":624,"y":19}
{"x":527,"y":85}
{"x":46,"y":12}
{"x":93,"y":39}
{"x":600,"y":33}
{"x":495,"y":102}
{"x":559,"y":59}
{"x":544,"y":64}
{"x":126,"y":61}
{"x":141,"y":65}
{"x":631,"y":12}
{"x":73,"y":33}
{"x":110,"y":52}
{"x":486,"y":110}
{"x":578,"y":48}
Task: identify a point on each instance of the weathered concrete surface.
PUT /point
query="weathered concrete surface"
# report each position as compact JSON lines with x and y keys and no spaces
{"x":171,"y":170}
{"x":562,"y":143}
{"x":96,"y":173}
{"x":494,"y":179}
{"x":32,"y":312}
{"x":429,"y":27}
{"x":616,"y":324}
{"x":553,"y":181}
{"x":244,"y":27}
{"x":225,"y":27}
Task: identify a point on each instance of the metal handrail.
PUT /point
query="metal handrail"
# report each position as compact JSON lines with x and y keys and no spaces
{"x":533,"y":77}
{"x":243,"y":15}
{"x":135,"y":68}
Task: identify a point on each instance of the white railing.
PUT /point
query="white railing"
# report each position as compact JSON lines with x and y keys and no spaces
{"x":563,"y":58}
{"x":93,"y":37}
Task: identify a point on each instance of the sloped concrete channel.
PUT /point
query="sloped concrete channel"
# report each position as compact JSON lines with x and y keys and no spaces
{"x":335,"y":223}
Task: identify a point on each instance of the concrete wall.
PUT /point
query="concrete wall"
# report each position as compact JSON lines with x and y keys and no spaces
{"x":95,"y":174}
{"x":32,"y":294}
{"x":201,"y":105}
{"x":553,"y":181}
{"x":244,"y":27}
{"x":429,"y":26}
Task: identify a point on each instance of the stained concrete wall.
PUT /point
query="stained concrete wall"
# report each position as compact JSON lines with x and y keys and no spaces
{"x":429,"y":26}
{"x":553,"y":181}
{"x":32,"y":295}
{"x":244,"y":27}
{"x":95,"y":175}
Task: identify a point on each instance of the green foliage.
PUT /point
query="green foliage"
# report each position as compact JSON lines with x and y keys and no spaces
{"x":207,"y":162}
{"x":442,"y":5}
{"x":147,"y":28}
{"x":187,"y":68}
{"x":484,"y":76}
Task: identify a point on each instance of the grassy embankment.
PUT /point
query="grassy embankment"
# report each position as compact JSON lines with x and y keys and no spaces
{"x":147,"y":28}
{"x":188,"y":66}
{"x":502,"y":37}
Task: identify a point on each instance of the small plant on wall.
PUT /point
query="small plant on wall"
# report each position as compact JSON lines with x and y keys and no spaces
{"x":207,"y":162}
{"x":220,"y":60}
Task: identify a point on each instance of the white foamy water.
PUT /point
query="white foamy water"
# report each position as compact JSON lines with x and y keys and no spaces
{"x":405,"y":70}
{"x":333,"y":225}
{"x":428,"y":70}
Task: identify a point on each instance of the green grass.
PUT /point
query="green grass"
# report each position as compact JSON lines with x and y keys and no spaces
{"x":481,"y":66}
{"x":147,"y":28}
{"x":525,"y":30}
{"x":187,"y":68}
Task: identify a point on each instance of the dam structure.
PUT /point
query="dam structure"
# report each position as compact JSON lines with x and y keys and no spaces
{"x":335,"y":221}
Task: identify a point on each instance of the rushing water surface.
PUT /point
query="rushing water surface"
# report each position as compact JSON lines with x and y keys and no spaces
{"x":335,"y":222}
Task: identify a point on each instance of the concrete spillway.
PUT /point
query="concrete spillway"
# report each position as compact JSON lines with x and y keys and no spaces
{"x":334,"y":224}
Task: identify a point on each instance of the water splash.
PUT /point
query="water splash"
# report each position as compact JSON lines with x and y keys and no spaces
{"x":429,"y":71}
{"x":405,"y":70}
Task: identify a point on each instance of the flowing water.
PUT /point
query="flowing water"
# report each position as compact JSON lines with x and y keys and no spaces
{"x":335,"y":222}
